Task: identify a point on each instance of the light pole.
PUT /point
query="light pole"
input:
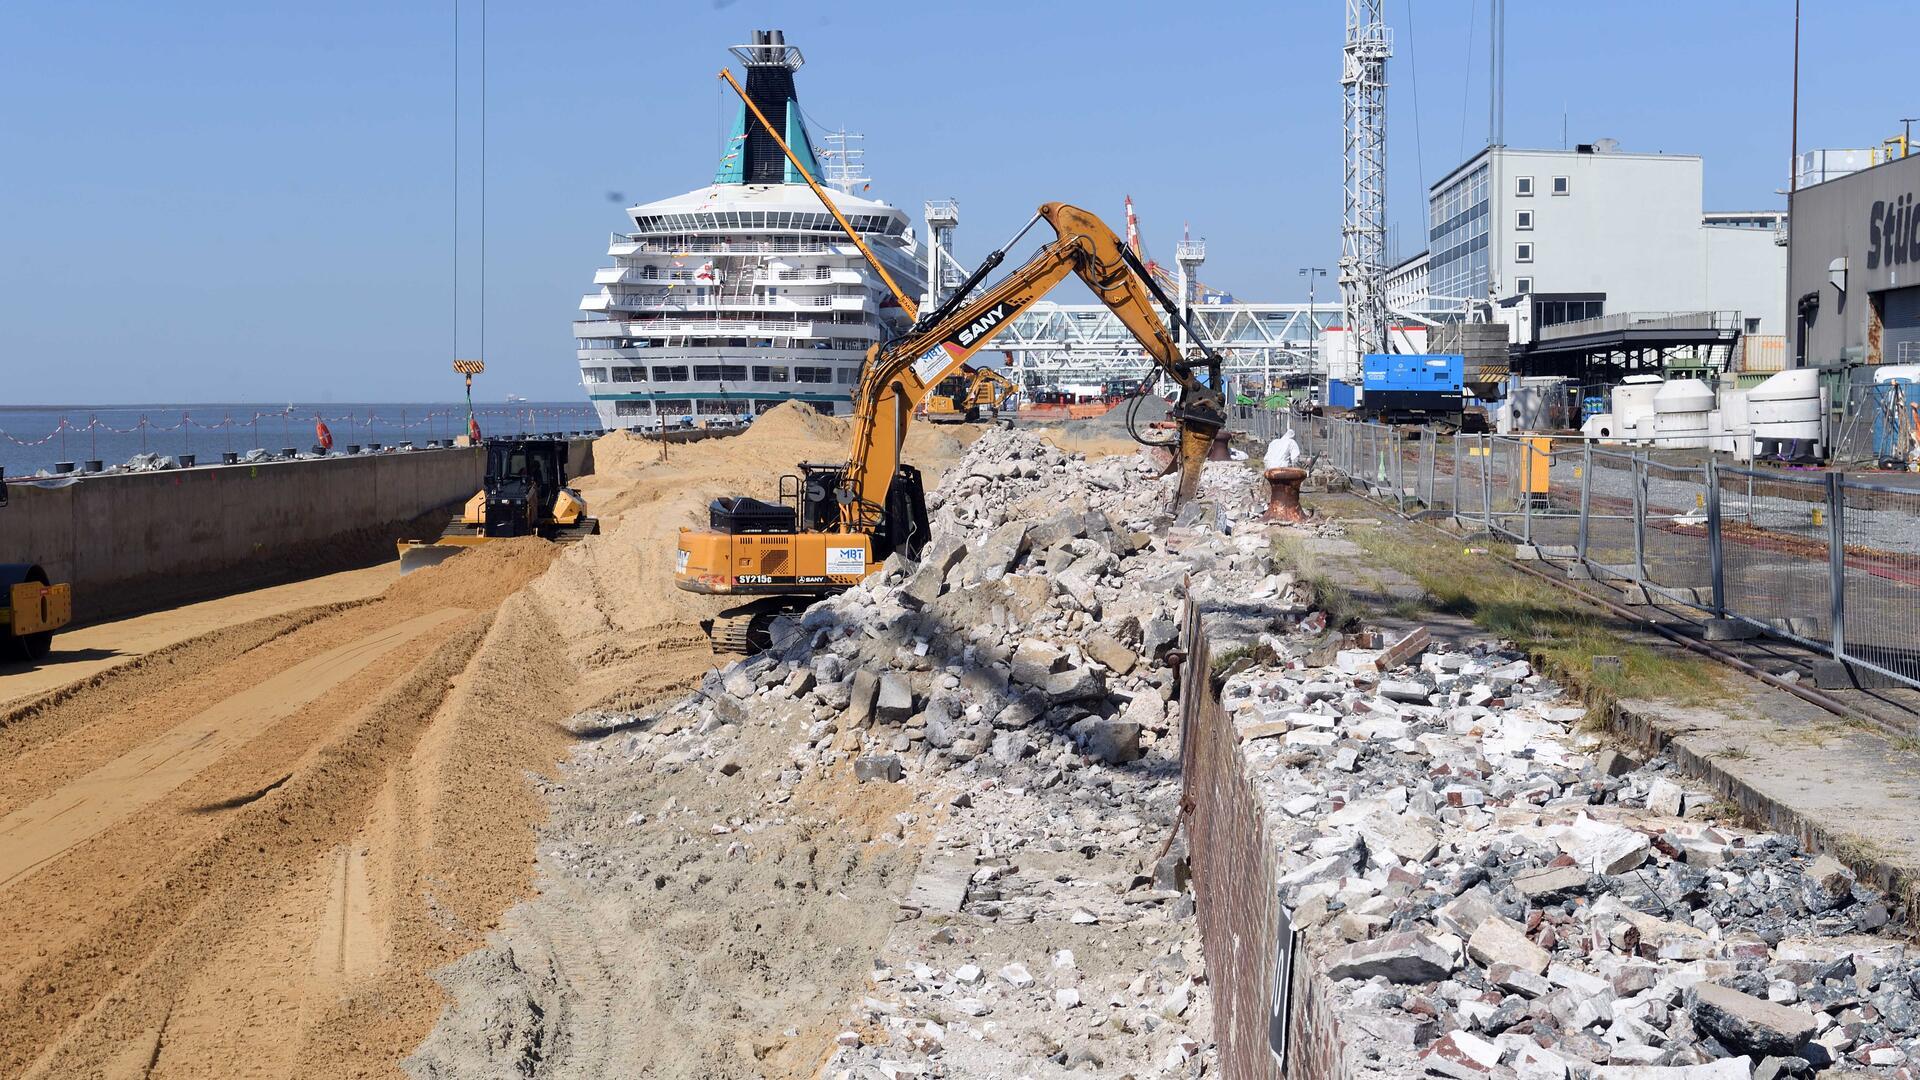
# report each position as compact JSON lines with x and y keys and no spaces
{"x":1313,"y":328}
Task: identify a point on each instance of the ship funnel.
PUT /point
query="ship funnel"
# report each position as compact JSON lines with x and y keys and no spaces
{"x":752,"y":157}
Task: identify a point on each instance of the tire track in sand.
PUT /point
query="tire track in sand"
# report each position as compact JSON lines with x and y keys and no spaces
{"x":48,"y":827}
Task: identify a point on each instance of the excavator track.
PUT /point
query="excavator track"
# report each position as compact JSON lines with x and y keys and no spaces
{"x":748,"y":628}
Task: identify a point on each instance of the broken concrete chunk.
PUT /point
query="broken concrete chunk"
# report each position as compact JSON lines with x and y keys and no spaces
{"x":926,"y":583}
{"x":1074,"y":684}
{"x":894,"y":703}
{"x":860,"y":705}
{"x":1827,"y":884}
{"x":1552,"y":885}
{"x":1400,"y":958}
{"x":1034,"y":660}
{"x":993,"y":557}
{"x":1109,"y":650}
{"x":1747,"y":1024}
{"x":1111,"y":742}
{"x":1464,"y":913}
{"x":1461,"y":1054}
{"x":882,"y":767}
{"x":1665,"y":797}
{"x":1498,"y":941}
{"x":1405,"y":690}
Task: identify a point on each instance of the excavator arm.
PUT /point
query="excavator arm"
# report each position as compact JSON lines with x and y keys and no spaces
{"x":900,"y":375}
{"x":990,"y":388}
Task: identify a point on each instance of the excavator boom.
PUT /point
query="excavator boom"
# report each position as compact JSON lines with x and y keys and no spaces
{"x":897,"y":378}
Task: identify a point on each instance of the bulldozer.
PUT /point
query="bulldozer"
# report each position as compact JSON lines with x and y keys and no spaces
{"x":525,"y":493}
{"x":32,"y":607}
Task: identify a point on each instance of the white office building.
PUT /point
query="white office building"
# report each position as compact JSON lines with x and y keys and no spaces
{"x":1594,"y":231}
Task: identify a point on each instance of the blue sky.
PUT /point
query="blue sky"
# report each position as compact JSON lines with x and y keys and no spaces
{"x":253,"y":201}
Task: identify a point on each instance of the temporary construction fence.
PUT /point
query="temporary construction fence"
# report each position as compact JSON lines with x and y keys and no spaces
{"x":1822,"y":559}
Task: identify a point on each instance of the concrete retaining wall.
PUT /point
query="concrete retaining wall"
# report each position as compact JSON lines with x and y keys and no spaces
{"x":140,"y":541}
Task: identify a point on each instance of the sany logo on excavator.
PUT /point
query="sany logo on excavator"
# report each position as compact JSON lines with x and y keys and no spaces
{"x":981,"y":325}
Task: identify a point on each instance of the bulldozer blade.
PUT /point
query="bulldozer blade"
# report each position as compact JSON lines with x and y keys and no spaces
{"x":420,"y":556}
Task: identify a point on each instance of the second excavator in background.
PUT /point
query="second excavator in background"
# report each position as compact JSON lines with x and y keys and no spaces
{"x":967,"y":395}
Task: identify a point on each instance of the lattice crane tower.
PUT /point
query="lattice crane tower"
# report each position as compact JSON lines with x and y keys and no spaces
{"x":1190,"y":254}
{"x":1363,"y":228}
{"x":943,"y":274}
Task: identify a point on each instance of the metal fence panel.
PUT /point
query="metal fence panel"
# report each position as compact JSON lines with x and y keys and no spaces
{"x":1775,"y":560}
{"x":1830,"y":562}
{"x":1880,"y":579}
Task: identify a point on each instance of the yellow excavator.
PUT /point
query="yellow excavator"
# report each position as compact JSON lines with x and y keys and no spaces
{"x":833,"y":524}
{"x":960,"y":397}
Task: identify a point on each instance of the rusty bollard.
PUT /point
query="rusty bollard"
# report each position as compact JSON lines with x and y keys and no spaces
{"x":1283,"y":496}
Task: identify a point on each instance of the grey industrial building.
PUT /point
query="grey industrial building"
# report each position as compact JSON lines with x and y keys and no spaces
{"x":1853,"y":268}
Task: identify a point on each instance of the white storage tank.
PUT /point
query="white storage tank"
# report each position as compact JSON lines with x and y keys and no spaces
{"x":1601,"y":426}
{"x":1633,"y":399}
{"x":1681,"y":407}
{"x":1786,"y":406}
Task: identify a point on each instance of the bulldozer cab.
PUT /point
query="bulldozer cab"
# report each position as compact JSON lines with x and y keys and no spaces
{"x":524,"y":476}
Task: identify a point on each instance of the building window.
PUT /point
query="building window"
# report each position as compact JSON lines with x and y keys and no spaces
{"x":1753,"y":326}
{"x":1523,"y":185}
{"x":1559,"y":185}
{"x":670,"y":374}
{"x":1522,"y":286}
{"x":629,"y":407}
{"x":596,"y":374}
{"x":849,"y":375}
{"x":1523,"y":253}
{"x":1523,"y":219}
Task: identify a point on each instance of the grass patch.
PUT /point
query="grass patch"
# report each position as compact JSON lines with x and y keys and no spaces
{"x":1542,"y":619}
{"x":1220,"y":661}
{"x":1343,"y":611}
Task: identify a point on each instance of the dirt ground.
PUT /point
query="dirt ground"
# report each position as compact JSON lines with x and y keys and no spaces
{"x":84,"y":652}
{"x":236,"y":839}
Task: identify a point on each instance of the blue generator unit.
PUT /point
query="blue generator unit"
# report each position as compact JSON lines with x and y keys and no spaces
{"x":1403,"y":388}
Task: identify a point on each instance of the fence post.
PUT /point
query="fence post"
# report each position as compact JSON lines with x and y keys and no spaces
{"x":1486,"y":482}
{"x":1586,"y":496}
{"x":1398,"y":439}
{"x":1429,"y":451}
{"x":1525,"y":478}
{"x":1837,"y":561}
{"x":1715,"y":548}
{"x":1639,"y":519}
{"x":1454,"y":507}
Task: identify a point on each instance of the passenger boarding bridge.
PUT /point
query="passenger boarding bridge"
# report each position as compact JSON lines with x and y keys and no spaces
{"x":1055,"y":344}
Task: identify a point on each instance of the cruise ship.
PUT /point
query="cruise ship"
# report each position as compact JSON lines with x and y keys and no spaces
{"x":727,"y":300}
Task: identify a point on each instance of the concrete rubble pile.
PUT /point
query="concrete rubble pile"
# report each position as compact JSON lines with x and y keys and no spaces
{"x":1020,"y":669}
{"x":1496,"y":895}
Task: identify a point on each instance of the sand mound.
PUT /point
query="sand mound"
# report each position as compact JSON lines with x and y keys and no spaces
{"x":478,"y":578}
{"x":618,"y":451}
{"x":791,"y":420}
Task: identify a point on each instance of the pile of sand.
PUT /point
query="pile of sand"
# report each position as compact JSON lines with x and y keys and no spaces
{"x":477,"y":578}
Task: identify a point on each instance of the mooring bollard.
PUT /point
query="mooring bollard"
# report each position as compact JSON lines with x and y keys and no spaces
{"x":1283,"y":495}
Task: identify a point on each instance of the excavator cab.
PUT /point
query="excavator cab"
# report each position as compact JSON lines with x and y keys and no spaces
{"x":786,"y":554}
{"x":951,"y":402}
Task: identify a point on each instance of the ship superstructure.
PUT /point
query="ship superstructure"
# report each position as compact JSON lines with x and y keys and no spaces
{"x":727,"y":300}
